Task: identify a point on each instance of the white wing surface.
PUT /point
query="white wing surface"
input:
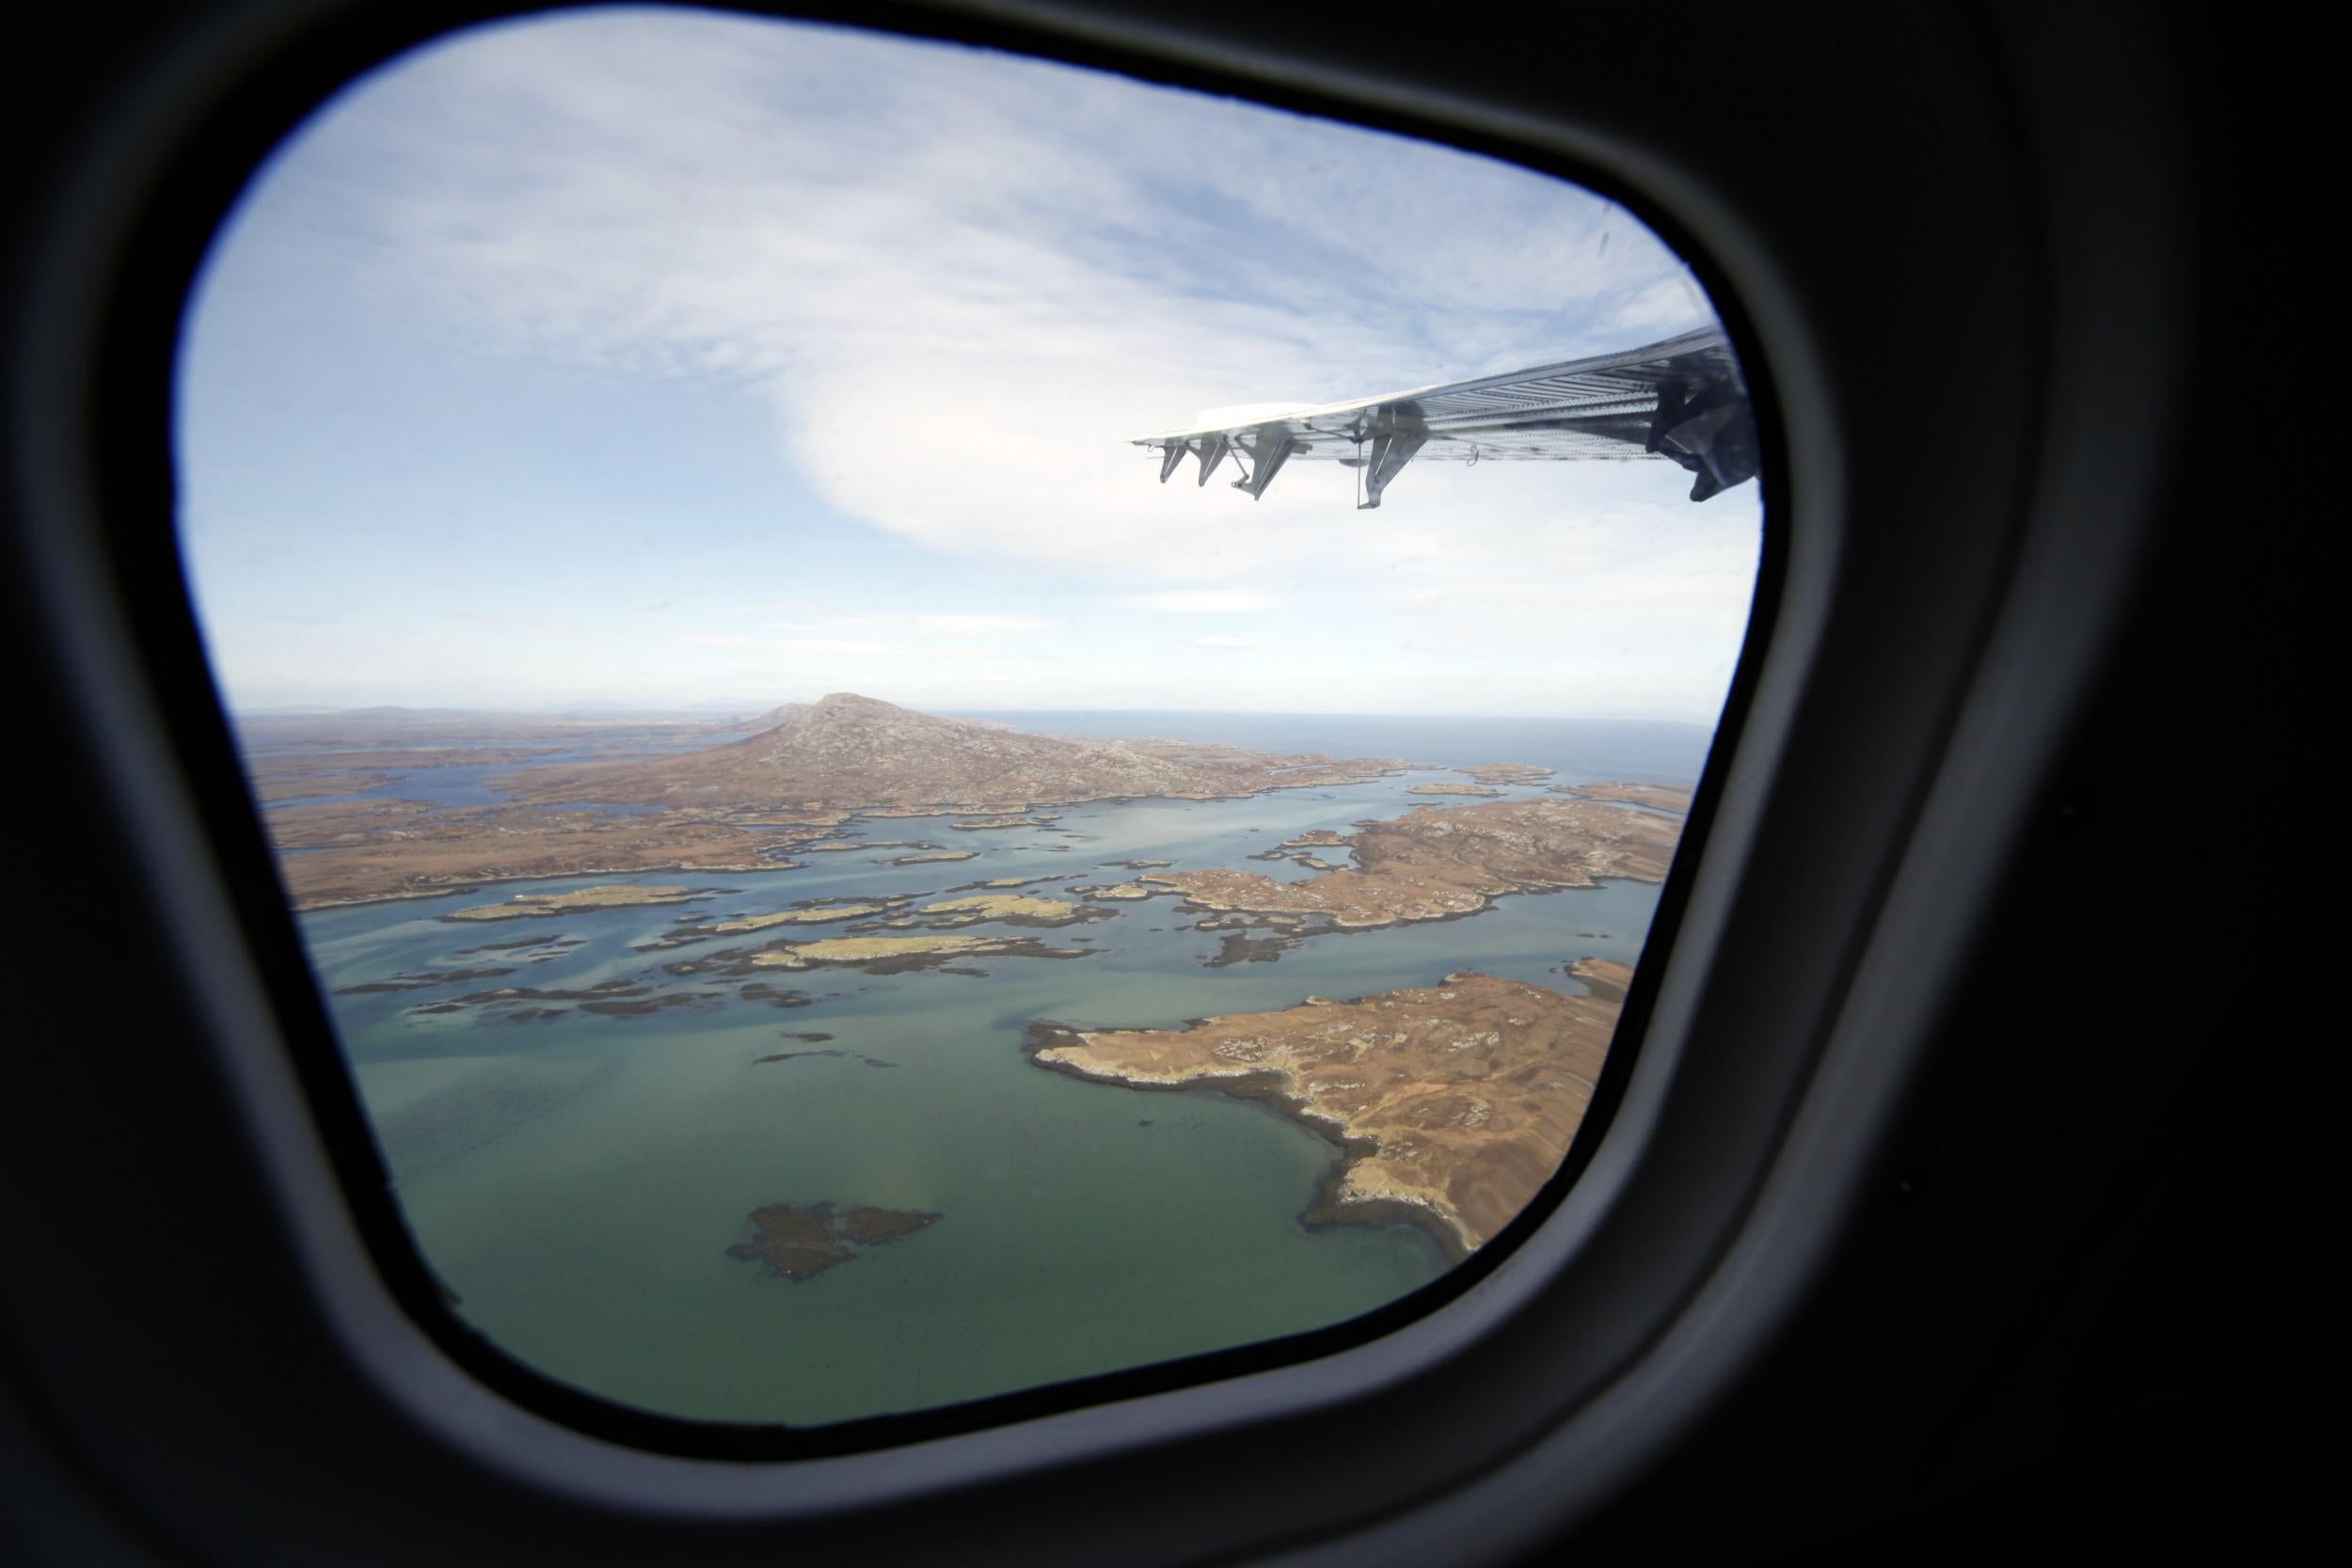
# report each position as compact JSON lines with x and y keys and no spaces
{"x":1681,"y":400}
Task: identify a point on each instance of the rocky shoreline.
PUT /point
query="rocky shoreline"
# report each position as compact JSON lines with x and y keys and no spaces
{"x":1451,"y":1105}
{"x":1439,"y":863}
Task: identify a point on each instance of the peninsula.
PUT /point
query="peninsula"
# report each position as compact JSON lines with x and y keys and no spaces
{"x":377,"y":849}
{"x":1451,"y":1104}
{"x":1436,"y":863}
{"x":1666,"y":798}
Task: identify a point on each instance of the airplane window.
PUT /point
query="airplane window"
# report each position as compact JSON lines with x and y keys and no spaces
{"x":937,"y":722}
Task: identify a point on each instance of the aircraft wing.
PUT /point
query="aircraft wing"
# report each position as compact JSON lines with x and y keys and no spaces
{"x":1681,"y":400}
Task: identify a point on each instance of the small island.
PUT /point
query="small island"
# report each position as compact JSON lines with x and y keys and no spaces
{"x":1010,"y":908}
{"x":582,"y":900}
{"x":607,"y":998}
{"x":690,"y":929}
{"x":895,"y":955}
{"x":421,"y":981}
{"x":799,"y":1243}
{"x":1506,"y":773}
{"x":822,"y":915}
{"x":872,"y":954}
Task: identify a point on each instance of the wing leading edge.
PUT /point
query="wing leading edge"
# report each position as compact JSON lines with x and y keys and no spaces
{"x":1682,"y":400}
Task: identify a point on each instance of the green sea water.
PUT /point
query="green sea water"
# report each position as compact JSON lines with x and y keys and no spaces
{"x":576,"y":1181}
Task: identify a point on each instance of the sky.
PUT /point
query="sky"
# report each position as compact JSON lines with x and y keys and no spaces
{"x":659,"y":359}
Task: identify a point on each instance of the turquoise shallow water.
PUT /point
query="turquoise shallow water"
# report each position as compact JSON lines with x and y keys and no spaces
{"x":576,"y":1181}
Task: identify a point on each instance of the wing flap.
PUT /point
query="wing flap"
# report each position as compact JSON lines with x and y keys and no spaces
{"x":1681,"y":400}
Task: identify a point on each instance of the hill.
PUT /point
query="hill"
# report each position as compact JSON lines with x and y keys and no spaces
{"x":853,"y":751}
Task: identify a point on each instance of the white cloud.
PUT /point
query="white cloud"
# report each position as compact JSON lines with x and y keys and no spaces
{"x":1227,"y":643}
{"x":1213,"y":601}
{"x":1671,"y":305}
{"x":977,"y":625}
{"x":924,"y":626}
{"x":960,"y":284}
{"x":829,"y":645}
{"x":873,"y":650}
{"x":664,"y":198}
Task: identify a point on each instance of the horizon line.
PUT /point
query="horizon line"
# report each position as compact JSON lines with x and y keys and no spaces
{"x":597,"y":708}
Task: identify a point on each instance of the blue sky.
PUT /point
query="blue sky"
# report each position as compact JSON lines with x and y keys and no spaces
{"x":667,"y":358}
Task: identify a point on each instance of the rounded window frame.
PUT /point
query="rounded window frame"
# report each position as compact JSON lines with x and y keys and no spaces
{"x":309,"y":1031}
{"x":1823,"y":442}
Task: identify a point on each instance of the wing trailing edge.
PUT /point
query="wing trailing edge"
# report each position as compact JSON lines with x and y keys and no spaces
{"x":1681,"y":400}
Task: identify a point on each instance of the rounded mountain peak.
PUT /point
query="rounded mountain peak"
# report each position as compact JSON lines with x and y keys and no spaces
{"x":849,"y":702}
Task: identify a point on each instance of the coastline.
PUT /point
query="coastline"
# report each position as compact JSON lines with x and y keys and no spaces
{"x":475,"y":884}
{"x":1331,"y":1205}
{"x":1451,"y":1104}
{"x":304,"y":904}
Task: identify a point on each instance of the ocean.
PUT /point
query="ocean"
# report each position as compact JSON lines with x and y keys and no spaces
{"x":578,"y":1179}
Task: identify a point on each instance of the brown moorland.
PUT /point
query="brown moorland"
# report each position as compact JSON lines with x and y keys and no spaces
{"x":408,"y":849}
{"x":1672,"y":798}
{"x":740,"y":806}
{"x":1439,"y":861}
{"x":1452,"y":1103}
{"x":854,"y":752}
{"x":1506,"y":773}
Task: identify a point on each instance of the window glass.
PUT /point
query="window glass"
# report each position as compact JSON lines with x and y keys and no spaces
{"x":940,"y":722}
